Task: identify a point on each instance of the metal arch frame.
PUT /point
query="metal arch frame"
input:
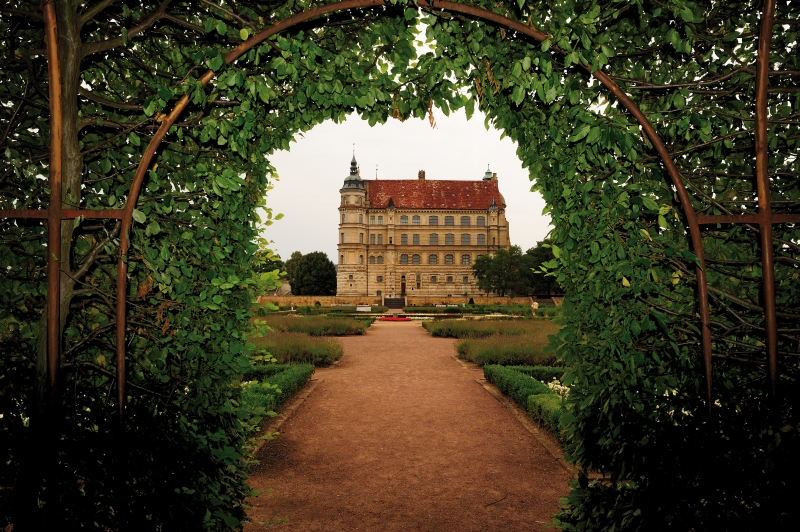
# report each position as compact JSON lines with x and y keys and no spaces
{"x":55,"y":214}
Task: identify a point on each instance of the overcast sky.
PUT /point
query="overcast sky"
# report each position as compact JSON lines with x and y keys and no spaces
{"x":313,"y":170}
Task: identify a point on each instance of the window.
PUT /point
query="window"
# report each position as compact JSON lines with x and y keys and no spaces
{"x":465,"y":239}
{"x":419,"y":277}
{"x":449,"y":239}
{"x":380,"y":259}
{"x":341,"y":259}
{"x":418,"y":285}
{"x":433,"y":278}
{"x":465,"y":260}
{"x":360,"y":238}
{"x":414,"y":259}
{"x":350,"y":277}
{"x":404,"y":240}
{"x":433,"y":220}
{"x":344,"y":200}
{"x":449,"y":278}
{"x":415,"y":220}
{"x":372,"y":239}
{"x":390,"y":240}
{"x":493,"y":241}
{"x":361,"y":259}
{"x":378,"y":293}
{"x":434,"y":239}
{"x":372,"y":220}
{"x":481,"y":221}
{"x":481,"y":240}
{"x":380,"y":278}
{"x":433,"y":259}
{"x":415,"y":240}
{"x":465,"y":279}
{"x":449,"y":220}
{"x":448,"y":259}
{"x":380,"y":240}
{"x":342,"y":238}
{"x":380,"y":220}
{"x":465,"y":220}
{"x":361,"y":218}
{"x":404,"y":220}
{"x":402,"y":277}
{"x":360,"y":200}
{"x":372,"y":259}
{"x":342,"y":218}
{"x":404,"y":259}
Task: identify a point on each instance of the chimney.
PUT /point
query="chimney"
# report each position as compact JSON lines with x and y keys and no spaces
{"x":421,"y":175}
{"x":494,"y":176}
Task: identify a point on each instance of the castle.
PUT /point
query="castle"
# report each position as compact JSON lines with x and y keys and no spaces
{"x":416,"y":237}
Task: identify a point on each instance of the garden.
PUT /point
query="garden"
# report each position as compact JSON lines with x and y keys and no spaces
{"x":663,"y":137}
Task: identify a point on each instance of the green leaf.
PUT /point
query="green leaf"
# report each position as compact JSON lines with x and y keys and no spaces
{"x":139,"y":216}
{"x":134,"y":138}
{"x":580,"y":133}
{"x":222,"y":29}
{"x":649,"y":203}
{"x":556,"y":251}
{"x":244,"y":33}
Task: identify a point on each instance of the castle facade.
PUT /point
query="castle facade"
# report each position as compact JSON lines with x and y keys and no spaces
{"x":416,"y":237}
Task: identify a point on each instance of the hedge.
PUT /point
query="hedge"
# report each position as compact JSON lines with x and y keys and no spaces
{"x":540,"y":373}
{"x":516,"y":385}
{"x":548,"y":409}
{"x":277,"y":383}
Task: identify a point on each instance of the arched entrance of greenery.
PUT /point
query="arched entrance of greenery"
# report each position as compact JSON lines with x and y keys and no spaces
{"x":765,"y":219}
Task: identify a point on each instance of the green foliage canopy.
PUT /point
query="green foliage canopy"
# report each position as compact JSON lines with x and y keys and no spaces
{"x":312,"y":274}
{"x":630,"y":339}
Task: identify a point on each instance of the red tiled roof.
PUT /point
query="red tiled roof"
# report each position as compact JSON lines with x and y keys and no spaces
{"x":433,"y":194}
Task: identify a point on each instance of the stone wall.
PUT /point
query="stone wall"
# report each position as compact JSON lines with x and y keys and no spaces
{"x":327,"y":301}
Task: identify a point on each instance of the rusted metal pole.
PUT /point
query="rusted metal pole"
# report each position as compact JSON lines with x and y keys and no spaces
{"x":54,"y":215}
{"x":764,"y":198}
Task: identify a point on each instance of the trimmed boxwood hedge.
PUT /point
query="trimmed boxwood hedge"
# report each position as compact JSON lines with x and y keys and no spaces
{"x":540,"y":373}
{"x":548,"y":409}
{"x":516,"y":385}
{"x":288,"y":378}
{"x":541,"y":403}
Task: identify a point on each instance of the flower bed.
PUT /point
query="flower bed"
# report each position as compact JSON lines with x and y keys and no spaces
{"x":393,"y":318}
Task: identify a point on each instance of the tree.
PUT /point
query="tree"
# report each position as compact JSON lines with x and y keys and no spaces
{"x":539,"y":282}
{"x":501,"y":272}
{"x":312,"y":274}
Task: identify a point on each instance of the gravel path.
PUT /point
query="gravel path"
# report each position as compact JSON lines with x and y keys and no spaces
{"x":399,"y":436}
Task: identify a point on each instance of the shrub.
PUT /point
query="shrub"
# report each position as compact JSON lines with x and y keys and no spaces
{"x":516,"y":385}
{"x":479,"y":329}
{"x":269,"y":392}
{"x":300,"y":348}
{"x":523,"y":349}
{"x":541,"y":373}
{"x":548,"y":409}
{"x":315,"y":325}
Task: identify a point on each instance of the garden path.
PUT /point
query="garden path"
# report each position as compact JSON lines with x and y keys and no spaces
{"x":399,"y":436}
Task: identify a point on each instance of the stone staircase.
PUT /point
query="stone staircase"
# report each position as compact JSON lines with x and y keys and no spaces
{"x":394,"y":302}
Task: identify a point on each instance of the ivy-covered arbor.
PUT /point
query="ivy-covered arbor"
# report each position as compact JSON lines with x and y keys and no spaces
{"x":666,"y":150}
